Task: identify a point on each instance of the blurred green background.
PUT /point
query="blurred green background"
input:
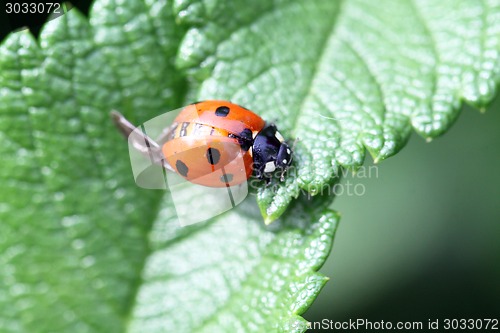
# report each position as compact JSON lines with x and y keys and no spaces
{"x":423,"y":242}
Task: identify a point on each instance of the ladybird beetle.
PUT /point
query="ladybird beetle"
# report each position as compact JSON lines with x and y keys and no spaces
{"x":216,"y":135}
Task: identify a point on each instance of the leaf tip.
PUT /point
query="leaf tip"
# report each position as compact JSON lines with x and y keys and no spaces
{"x":268,"y":219}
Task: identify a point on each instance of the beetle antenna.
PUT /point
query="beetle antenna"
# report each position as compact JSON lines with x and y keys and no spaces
{"x":295,"y":143}
{"x":325,"y":117}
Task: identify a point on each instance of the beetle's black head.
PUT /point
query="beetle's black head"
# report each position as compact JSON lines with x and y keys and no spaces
{"x":270,"y":152}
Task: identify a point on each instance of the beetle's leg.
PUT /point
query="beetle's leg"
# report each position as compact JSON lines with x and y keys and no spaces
{"x":282,"y":175}
{"x":139,"y":140}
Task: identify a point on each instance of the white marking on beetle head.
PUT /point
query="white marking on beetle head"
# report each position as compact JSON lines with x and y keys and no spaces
{"x":270,"y":167}
{"x":285,"y":161}
{"x":279,"y":137}
{"x":288,"y":151}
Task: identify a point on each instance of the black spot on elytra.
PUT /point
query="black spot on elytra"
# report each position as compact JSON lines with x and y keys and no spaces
{"x":222,"y":111}
{"x":244,"y":144}
{"x":182,"y":168}
{"x":246,"y":134}
{"x":226,"y":178}
{"x":245,"y":139}
{"x":213,"y":156}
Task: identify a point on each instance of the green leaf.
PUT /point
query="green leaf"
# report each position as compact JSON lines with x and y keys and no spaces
{"x":233,"y":274}
{"x":344,"y":77}
{"x":76,"y":232}
{"x":83,"y":249}
{"x":74,"y":226}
